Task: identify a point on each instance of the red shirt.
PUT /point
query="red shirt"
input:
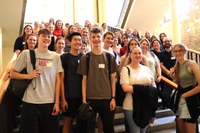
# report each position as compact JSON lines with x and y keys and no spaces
{"x":57,"y":32}
{"x":123,"y":51}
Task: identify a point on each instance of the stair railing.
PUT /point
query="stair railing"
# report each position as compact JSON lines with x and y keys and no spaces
{"x":194,"y":55}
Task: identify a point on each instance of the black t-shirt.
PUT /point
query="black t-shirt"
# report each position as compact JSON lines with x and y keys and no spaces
{"x":158,"y":54}
{"x":72,"y":80}
{"x":51,"y":46}
{"x":19,"y":44}
{"x":167,"y":59}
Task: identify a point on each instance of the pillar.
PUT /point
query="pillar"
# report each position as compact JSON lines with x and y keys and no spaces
{"x":175,"y":24}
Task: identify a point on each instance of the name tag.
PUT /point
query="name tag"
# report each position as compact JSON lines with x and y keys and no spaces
{"x":78,"y":61}
{"x":49,"y":64}
{"x":173,"y":58}
{"x":102,"y":66}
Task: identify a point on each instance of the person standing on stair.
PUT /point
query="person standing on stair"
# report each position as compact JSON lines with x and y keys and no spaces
{"x":167,"y":61}
{"x":187,"y":75}
{"x":98,"y":84}
{"x":135,"y":74}
{"x":41,"y":98}
{"x":71,"y":94}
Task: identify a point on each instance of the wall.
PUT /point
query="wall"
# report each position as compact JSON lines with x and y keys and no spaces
{"x":190,"y":29}
{"x":1,"y":66}
{"x":11,"y":14}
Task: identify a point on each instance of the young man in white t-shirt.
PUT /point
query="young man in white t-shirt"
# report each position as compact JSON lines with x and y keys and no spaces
{"x":41,"y":99}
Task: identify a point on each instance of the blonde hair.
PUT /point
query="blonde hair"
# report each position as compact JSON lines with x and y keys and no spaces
{"x":129,"y":58}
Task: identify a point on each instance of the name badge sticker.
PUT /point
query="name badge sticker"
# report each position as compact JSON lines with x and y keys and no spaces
{"x":173,"y":58}
{"x":102,"y":66}
{"x":49,"y":64}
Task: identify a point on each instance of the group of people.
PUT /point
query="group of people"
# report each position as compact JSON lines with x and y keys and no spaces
{"x":82,"y":66}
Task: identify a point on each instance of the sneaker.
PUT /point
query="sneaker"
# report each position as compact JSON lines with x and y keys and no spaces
{"x":151,"y":122}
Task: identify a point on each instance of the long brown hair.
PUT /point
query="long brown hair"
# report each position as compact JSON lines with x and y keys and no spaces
{"x":177,"y":65}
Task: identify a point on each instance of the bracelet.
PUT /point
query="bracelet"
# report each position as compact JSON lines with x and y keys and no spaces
{"x":112,"y":97}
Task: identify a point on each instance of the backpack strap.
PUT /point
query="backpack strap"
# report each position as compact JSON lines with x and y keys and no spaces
{"x":115,"y":54}
{"x":129,"y":73}
{"x":108,"y":56}
{"x":88,"y":61}
{"x":152,"y":53}
{"x":33,"y":59}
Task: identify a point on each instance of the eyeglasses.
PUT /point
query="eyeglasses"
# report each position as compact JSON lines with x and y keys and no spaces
{"x":133,"y":44}
{"x":176,"y":51}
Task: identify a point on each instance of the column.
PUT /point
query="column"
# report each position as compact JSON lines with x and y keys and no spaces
{"x":175,"y":24}
{"x":101,"y":11}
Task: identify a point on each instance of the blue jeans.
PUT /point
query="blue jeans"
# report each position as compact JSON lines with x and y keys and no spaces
{"x":133,"y":128}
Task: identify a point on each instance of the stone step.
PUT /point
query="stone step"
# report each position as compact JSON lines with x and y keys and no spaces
{"x":119,"y":117}
{"x":159,"y":124}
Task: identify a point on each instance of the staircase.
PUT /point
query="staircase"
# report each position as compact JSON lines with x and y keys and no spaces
{"x":164,"y":120}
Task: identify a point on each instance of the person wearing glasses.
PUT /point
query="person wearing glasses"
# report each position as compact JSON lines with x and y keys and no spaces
{"x":187,"y":75}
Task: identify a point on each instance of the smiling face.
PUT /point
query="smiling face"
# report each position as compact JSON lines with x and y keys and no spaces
{"x":125,"y":39}
{"x":76,"y":42}
{"x":84,"y":33}
{"x":133,"y":43}
{"x":108,"y":40}
{"x":28,"y":30}
{"x":136,"y":55}
{"x":96,"y":39}
{"x":156,"y":45}
{"x":44,"y":40}
{"x":31,"y":41}
{"x":60,"y":44}
{"x":179,"y":51}
{"x":144,"y":45}
{"x":167,"y":42}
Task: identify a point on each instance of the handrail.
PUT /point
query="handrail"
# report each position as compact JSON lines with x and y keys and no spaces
{"x":194,"y":55}
{"x":4,"y":79}
{"x":169,"y":82}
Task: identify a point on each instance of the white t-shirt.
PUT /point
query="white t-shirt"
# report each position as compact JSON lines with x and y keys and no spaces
{"x":117,"y":58}
{"x":152,"y":60}
{"x":44,"y":85}
{"x":142,"y":76}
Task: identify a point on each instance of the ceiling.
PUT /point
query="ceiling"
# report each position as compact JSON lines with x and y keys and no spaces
{"x":147,"y":14}
{"x":144,"y":15}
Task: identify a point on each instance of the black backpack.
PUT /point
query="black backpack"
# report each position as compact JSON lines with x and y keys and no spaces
{"x":18,"y":87}
{"x":120,"y":94}
{"x":85,"y":119}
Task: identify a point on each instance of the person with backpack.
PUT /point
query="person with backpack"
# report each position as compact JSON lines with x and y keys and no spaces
{"x":98,"y":85}
{"x":71,"y":94}
{"x":132,"y":75}
{"x":41,"y":98}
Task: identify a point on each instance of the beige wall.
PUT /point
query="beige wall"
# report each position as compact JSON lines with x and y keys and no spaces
{"x":11,"y":14}
{"x":7,"y":55}
{"x":1,"y":67}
